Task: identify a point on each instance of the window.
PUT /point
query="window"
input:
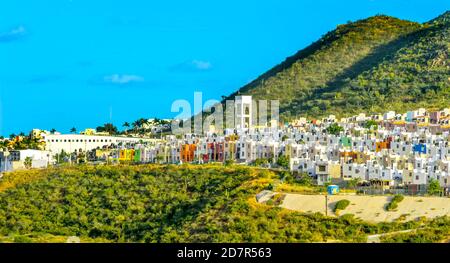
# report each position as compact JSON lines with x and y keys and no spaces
{"x":246,"y":109}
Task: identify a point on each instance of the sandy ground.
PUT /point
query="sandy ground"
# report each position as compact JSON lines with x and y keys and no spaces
{"x":371,"y":208}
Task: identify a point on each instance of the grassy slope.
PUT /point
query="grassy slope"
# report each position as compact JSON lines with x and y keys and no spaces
{"x":369,"y":65}
{"x":164,"y":204}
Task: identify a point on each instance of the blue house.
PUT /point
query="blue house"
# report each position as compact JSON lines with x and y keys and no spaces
{"x":420,"y":148}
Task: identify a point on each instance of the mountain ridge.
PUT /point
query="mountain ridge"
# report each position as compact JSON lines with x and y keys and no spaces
{"x":373,"y":64}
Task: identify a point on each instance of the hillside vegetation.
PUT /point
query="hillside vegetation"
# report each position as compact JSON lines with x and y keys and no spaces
{"x":153,"y":203}
{"x":372,"y":65}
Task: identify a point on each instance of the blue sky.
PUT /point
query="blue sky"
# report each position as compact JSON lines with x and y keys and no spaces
{"x":82,"y":63}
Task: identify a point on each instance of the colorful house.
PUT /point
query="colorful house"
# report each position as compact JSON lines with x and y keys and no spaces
{"x":346,"y":141}
{"x":137,"y":155}
{"x":420,"y":148}
{"x":126,"y":155}
{"x":187,"y":152}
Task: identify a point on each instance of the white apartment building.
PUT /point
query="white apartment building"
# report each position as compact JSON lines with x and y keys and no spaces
{"x":55,"y":143}
{"x":243,"y":112}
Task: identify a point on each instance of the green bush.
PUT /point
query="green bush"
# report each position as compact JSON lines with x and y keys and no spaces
{"x":341,"y":205}
{"x":168,"y":203}
{"x":434,"y":188}
{"x":22,"y":239}
{"x":394,"y":202}
{"x":283,"y":162}
{"x":228,"y":162}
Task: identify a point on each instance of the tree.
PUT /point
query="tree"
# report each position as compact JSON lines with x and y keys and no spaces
{"x":371,"y":124}
{"x":136,"y":126}
{"x":73,"y":130}
{"x":304,"y":179}
{"x":61,"y":157}
{"x":52,"y":131}
{"x":126,"y":125}
{"x":228,"y":162}
{"x":283,"y":161}
{"x":28,"y":162}
{"x":109,"y":128}
{"x":334,"y":129}
{"x":261,"y":162}
{"x":353,"y":183}
{"x":434,"y":188}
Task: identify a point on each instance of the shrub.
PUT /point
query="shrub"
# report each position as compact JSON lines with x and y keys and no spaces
{"x":228,"y":162}
{"x":394,"y":202}
{"x":341,"y":205}
{"x":283,"y":162}
{"x":22,"y":239}
{"x":304,"y":179}
{"x":434,"y":187}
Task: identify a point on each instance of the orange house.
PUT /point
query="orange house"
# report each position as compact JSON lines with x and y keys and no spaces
{"x":347,"y":155}
{"x":187,"y":152}
{"x":382,"y":145}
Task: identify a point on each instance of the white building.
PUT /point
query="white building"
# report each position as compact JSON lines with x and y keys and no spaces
{"x":39,"y":159}
{"x":55,"y":143}
{"x":243,"y":111}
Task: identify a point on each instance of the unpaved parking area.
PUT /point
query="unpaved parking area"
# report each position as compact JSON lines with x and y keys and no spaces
{"x":371,"y":208}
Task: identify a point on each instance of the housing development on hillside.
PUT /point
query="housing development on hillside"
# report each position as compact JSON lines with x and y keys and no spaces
{"x":388,"y":150}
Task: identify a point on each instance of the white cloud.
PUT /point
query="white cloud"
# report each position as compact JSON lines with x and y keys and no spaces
{"x":123,"y":79}
{"x":13,"y":34}
{"x":192,"y":66}
{"x":202,"y":65}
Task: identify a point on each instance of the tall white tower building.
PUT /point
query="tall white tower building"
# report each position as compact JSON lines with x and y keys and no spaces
{"x":243,"y":111}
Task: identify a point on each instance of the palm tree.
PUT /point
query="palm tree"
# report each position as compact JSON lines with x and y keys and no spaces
{"x":135,"y":125}
{"x":110,"y":128}
{"x":144,"y":122}
{"x":73,"y":130}
{"x":12,"y":136}
{"x":52,"y":131}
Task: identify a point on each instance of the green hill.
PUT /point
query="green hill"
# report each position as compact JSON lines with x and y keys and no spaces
{"x":168,"y":203}
{"x":372,"y":65}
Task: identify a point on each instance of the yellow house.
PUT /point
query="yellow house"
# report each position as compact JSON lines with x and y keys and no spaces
{"x":88,"y":131}
{"x":126,"y":155}
{"x":230,"y":150}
